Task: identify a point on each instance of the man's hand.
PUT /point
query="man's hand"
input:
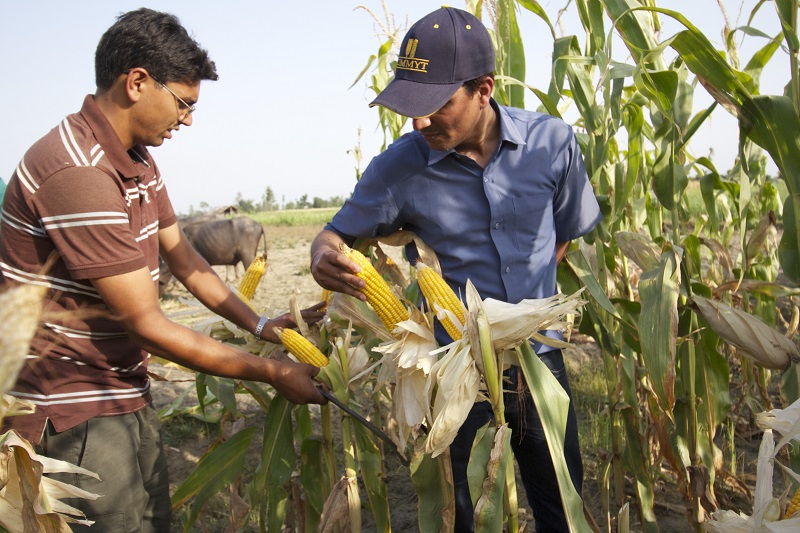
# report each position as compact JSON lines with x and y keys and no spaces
{"x":311,"y":315}
{"x":332,"y":269}
{"x":295,"y":382}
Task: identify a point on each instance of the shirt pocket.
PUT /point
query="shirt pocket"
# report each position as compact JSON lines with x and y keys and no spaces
{"x":533,"y":222}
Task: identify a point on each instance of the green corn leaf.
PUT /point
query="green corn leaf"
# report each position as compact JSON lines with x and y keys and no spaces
{"x":312,"y":472}
{"x":486,"y":472}
{"x":214,"y":473}
{"x":789,"y":249}
{"x":534,"y":7}
{"x":370,"y":462}
{"x":636,"y":28}
{"x":548,"y":104}
{"x":433,"y":482}
{"x":259,"y":393}
{"x":552,"y":404}
{"x":511,"y":53}
{"x":223,"y":390}
{"x":580,"y":265}
{"x":562,"y":48}
{"x":637,"y":461}
{"x":658,"y":326}
{"x":278,"y":459}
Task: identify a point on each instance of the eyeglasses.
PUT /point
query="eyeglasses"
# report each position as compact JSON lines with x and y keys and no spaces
{"x":183,"y":108}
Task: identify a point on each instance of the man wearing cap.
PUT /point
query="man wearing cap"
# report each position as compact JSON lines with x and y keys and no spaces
{"x":498,"y":193}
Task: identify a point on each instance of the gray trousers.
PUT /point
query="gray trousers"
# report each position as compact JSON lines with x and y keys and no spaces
{"x":126,"y":452}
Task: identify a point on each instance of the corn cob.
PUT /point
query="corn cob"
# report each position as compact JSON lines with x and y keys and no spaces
{"x":794,"y":505}
{"x":249,"y":283}
{"x":379,"y":295}
{"x":325,"y":297}
{"x":301,"y":347}
{"x":438,"y":293}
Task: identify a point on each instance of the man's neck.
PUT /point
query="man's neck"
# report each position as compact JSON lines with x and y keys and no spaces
{"x":114,"y":112}
{"x":483,"y":143}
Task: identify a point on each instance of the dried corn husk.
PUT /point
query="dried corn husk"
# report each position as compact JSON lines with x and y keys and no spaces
{"x":409,"y":359}
{"x":20,"y":310}
{"x":766,"y":507}
{"x":512,"y":324}
{"x":27,"y":489}
{"x":784,"y":421}
{"x":754,"y":339}
{"x":337,"y":514}
{"x":458,"y":379}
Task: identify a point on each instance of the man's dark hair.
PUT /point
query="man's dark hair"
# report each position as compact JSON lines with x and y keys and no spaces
{"x":473,"y":85}
{"x":154,"y":41}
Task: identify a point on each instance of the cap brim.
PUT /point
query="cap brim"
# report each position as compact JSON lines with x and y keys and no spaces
{"x":412,"y":99}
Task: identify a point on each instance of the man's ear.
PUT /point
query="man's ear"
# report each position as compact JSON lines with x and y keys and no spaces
{"x":134,"y":82}
{"x":486,"y":89}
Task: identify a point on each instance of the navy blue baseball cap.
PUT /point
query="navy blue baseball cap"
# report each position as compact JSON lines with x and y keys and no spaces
{"x":439,"y":53}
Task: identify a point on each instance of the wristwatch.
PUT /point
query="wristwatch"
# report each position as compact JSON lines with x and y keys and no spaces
{"x":260,"y":326}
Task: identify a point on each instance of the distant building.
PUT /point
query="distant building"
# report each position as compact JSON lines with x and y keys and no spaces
{"x":227,"y":210}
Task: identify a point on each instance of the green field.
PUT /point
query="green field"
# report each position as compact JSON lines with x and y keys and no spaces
{"x":295,"y":217}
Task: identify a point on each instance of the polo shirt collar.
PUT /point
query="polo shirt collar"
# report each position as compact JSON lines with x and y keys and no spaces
{"x":107,"y":138}
{"x":508,"y":133}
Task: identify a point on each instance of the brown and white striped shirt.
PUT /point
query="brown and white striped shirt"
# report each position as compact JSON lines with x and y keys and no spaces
{"x":79,"y":194}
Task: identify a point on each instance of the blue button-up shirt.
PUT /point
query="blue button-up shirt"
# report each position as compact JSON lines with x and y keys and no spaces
{"x":496,"y":226}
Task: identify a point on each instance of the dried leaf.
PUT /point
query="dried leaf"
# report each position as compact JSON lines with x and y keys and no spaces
{"x":457,"y":380}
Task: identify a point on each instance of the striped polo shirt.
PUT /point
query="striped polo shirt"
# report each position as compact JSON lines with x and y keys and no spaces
{"x":78,"y":196}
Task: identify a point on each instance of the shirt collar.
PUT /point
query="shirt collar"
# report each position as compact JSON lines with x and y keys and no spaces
{"x":107,"y":138}
{"x":508,"y":133}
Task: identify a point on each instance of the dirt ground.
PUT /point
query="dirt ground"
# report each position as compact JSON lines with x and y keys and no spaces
{"x":288,"y":274}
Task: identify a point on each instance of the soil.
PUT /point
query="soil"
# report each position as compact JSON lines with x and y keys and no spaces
{"x":287,"y":274}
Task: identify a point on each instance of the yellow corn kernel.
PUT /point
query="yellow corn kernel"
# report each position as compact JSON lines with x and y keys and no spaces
{"x":249,"y":283}
{"x":379,"y":295}
{"x":439,"y":294}
{"x":325,"y":297}
{"x":794,"y":505}
{"x":301,"y":347}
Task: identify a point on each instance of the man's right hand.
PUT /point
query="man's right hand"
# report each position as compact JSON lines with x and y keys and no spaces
{"x":332,"y":269}
{"x":295,"y":382}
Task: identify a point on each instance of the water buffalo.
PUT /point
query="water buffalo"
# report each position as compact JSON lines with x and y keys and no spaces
{"x":225,"y":241}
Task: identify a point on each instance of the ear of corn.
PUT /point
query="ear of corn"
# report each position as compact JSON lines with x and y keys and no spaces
{"x":438,"y":293}
{"x":325,"y":297}
{"x":379,"y":295}
{"x":794,"y":505}
{"x":300,"y":347}
{"x":249,"y":283}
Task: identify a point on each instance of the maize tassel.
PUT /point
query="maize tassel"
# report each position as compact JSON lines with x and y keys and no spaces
{"x":794,"y":505}
{"x":300,"y":347}
{"x":439,"y":294}
{"x":379,"y":295}
{"x":249,"y":283}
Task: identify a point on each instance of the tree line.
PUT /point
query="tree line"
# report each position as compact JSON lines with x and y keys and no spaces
{"x":268,"y":202}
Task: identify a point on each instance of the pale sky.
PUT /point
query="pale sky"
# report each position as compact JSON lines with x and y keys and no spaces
{"x":282,"y":114}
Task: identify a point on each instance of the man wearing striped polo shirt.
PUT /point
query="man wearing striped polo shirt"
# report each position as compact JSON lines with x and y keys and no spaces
{"x":85,"y":214}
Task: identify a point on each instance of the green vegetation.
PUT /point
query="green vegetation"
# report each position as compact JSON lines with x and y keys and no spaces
{"x":295,"y":217}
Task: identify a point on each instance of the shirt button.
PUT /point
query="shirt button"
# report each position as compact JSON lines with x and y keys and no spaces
{"x":497,"y":225}
{"x":486,"y":180}
{"x":508,"y":269}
